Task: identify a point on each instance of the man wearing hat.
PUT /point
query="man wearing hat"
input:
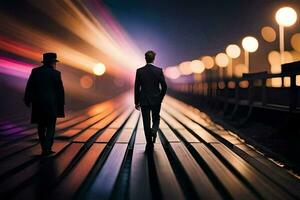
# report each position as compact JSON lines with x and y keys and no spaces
{"x":45,"y":94}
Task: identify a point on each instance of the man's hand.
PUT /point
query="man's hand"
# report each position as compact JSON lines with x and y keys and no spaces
{"x":138,"y":107}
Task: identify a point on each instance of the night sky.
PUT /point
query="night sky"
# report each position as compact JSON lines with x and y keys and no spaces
{"x":178,"y":30}
{"x":186,"y":30}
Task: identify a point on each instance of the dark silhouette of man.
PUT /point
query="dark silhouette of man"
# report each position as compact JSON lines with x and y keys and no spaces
{"x":149,"y":91}
{"x":45,"y":94}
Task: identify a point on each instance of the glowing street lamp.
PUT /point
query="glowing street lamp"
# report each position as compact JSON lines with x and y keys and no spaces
{"x":99,"y":70}
{"x":222,"y":61}
{"x":250,"y":45}
{"x":184,"y":68}
{"x":197,"y":66}
{"x":285,"y":17}
{"x":233,"y":51}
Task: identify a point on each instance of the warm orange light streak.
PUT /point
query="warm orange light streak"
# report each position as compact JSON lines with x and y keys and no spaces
{"x":89,"y":29}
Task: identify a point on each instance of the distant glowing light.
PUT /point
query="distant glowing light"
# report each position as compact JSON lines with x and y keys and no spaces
{"x":233,"y":51}
{"x":99,"y":69}
{"x":86,"y":82}
{"x":197,"y":66}
{"x":268,"y":33}
{"x":274,"y":60}
{"x":250,"y":44}
{"x":240,"y":69}
{"x":222,"y":60}
{"x":276,"y":82}
{"x":172,"y":72}
{"x":295,"y":41}
{"x":286,"y":16}
{"x":184,"y":68}
{"x":208,"y":62}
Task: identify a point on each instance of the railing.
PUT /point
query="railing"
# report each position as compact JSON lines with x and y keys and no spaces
{"x":251,"y":90}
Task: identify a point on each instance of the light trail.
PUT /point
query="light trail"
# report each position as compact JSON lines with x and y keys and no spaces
{"x":100,"y":37}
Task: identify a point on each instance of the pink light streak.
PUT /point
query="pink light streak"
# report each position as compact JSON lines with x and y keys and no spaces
{"x":15,"y":68}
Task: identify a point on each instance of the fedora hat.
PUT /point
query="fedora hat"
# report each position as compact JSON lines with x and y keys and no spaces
{"x":49,"y":57}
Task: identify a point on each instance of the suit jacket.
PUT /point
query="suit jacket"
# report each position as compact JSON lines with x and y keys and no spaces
{"x":45,"y":91}
{"x":147,"y":91}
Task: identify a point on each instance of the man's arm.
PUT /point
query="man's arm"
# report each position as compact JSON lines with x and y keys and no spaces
{"x":137,"y":89}
{"x":163,"y":85}
{"x":28,"y":91}
{"x":61,"y":91}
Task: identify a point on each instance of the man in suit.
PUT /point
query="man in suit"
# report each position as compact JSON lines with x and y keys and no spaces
{"x":149,"y":91}
{"x":45,"y":94}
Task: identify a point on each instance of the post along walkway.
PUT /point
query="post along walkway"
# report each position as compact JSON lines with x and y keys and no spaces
{"x":100,"y":154}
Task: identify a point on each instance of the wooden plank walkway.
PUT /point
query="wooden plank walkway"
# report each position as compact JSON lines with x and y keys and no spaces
{"x":100,"y":154}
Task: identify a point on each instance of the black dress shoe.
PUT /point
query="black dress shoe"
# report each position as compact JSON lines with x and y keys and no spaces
{"x":47,"y":153}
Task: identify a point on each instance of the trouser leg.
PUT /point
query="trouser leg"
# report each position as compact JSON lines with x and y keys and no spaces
{"x":42,"y":136}
{"x":146,"y":123}
{"x":155,"y":118}
{"x":50,"y":134}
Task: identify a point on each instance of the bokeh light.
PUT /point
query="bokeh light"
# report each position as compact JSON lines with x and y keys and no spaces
{"x":172,"y":72}
{"x":99,"y":69}
{"x":250,"y":44}
{"x":86,"y":82}
{"x":233,"y":51}
{"x":295,"y":42}
{"x":275,"y":61}
{"x":268,"y":33}
{"x":222,"y":60}
{"x":208,"y":62}
{"x":240,"y":69}
{"x":286,"y":16}
{"x":185,"y":68}
{"x":197,"y":66}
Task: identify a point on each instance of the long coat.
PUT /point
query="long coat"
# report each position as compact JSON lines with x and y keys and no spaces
{"x":45,"y":92}
{"x":150,"y":86}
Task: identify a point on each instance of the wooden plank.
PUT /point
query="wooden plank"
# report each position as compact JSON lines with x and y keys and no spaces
{"x":188,"y":110}
{"x":188,"y":136}
{"x":86,"y":135}
{"x":171,"y":121}
{"x":121,"y":119}
{"x":163,"y":125}
{"x":106,"y":135}
{"x":170,"y":136}
{"x":71,"y":122}
{"x":25,"y":156}
{"x":140,"y":135}
{"x":105,"y":180}
{"x":233,"y":185}
{"x":139,"y":181}
{"x":274,"y":172}
{"x":93,"y":120}
{"x":71,"y":183}
{"x":202,"y":133}
{"x":106,"y":121}
{"x":265,"y":187}
{"x":200,"y":181}
{"x":168,"y":183}
{"x":15,"y":147}
{"x":132,"y":121}
{"x":55,"y":164}
{"x":69,"y":133}
{"x":125,"y":135}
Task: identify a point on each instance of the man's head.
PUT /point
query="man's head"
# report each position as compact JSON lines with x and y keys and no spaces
{"x":150,"y":56}
{"x":50,"y":59}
